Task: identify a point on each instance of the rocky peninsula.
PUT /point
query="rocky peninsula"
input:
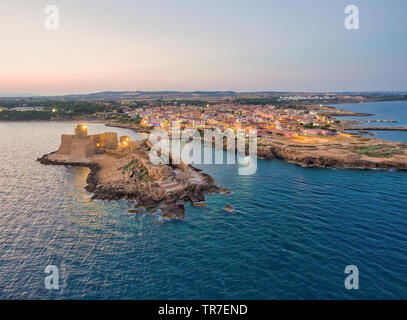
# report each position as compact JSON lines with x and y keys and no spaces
{"x":123,"y":170}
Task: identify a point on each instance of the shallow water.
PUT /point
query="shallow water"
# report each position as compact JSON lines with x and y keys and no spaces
{"x":292,"y":234}
{"x":396,"y":110}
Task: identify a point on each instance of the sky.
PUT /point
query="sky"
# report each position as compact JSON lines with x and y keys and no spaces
{"x":187,"y":45}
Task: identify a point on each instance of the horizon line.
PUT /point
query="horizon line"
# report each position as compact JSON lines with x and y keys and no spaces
{"x":35,"y":95}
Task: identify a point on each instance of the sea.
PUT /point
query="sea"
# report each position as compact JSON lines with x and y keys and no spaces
{"x":380,"y":111}
{"x":292,"y":234}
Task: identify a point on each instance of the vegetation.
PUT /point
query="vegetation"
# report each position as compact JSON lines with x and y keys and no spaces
{"x":362,"y":138}
{"x":312,"y":126}
{"x":12,"y":115}
{"x":309,"y":126}
{"x":124,"y":118}
{"x":303,"y":146}
{"x":141,"y":172}
{"x":378,"y":150}
{"x":193,"y":102}
{"x":259,"y":101}
{"x":131,"y":165}
{"x":143,"y":175}
{"x":52,"y":110}
{"x":386,"y":97}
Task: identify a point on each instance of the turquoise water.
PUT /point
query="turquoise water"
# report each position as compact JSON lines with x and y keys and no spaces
{"x":381,"y":111}
{"x":293,"y":232}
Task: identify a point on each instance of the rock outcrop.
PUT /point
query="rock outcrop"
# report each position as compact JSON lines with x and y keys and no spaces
{"x":173,"y":211}
{"x":330,"y":156}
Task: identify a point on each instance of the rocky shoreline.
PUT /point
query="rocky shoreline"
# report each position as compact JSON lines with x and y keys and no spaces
{"x":327,"y":156}
{"x":343,"y":113}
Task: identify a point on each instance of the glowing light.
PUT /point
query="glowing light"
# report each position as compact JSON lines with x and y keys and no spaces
{"x":54,"y":110}
{"x":84,"y":127}
{"x":97,"y":145}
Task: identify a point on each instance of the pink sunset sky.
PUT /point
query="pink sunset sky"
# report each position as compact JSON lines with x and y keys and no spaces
{"x":210,"y":45}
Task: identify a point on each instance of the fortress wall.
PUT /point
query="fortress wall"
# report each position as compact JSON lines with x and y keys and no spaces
{"x":109,"y":140}
{"x":95,"y":138}
{"x":81,"y":131}
{"x":65,"y":147}
{"x":96,"y":142}
{"x":83,"y":148}
{"x":80,"y":145}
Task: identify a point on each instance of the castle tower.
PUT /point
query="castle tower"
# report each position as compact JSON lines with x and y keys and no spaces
{"x":81,"y":131}
{"x":124,"y":141}
{"x":108,"y":140}
{"x":82,"y":146}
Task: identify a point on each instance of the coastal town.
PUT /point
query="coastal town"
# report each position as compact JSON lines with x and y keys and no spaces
{"x":266,"y":119}
{"x":302,"y":128}
{"x":307,"y":135}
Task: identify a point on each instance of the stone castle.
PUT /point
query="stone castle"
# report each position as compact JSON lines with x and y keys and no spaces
{"x":80,"y":145}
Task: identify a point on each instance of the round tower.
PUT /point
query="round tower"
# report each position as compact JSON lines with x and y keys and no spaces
{"x":81,"y":130}
{"x":124,"y":141}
